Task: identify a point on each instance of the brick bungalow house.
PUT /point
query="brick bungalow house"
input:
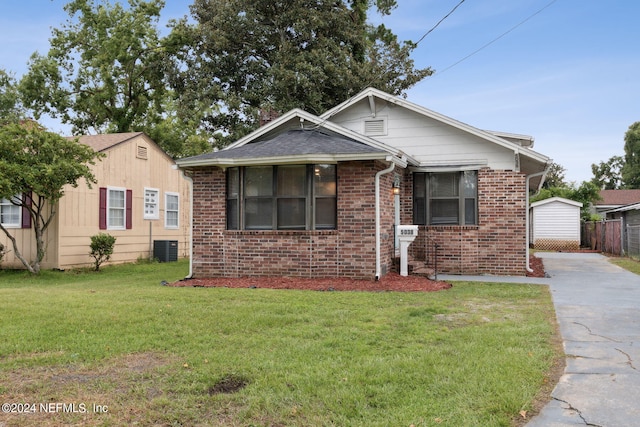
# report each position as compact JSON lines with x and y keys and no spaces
{"x":319,"y":196}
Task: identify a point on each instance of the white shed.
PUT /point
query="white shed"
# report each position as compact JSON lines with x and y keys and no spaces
{"x":555,"y":224}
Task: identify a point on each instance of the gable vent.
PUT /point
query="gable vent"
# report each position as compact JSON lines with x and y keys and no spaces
{"x":375,"y":127}
{"x":142,"y":152}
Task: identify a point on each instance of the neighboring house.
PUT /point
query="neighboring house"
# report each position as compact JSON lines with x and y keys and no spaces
{"x":140,"y":197}
{"x":613,"y":199}
{"x":555,"y":224}
{"x":319,"y":196}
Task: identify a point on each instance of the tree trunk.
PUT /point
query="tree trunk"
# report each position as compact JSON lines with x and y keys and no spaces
{"x":18,"y":254}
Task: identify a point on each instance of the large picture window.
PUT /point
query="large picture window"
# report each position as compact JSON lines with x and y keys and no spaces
{"x":445,"y":198}
{"x":287,"y":197}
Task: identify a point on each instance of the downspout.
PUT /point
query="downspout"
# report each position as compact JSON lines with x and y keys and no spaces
{"x":527,"y":225}
{"x":377,"y":185}
{"x":190,"y":180}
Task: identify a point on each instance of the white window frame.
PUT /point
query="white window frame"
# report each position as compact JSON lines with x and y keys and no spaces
{"x":124,"y":208}
{"x":167,"y":210}
{"x":154,"y":211}
{"x":6,"y":203}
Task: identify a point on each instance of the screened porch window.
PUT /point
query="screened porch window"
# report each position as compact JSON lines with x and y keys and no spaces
{"x":287,"y":197}
{"x":445,"y":198}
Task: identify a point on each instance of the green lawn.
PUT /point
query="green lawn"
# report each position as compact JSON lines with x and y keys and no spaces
{"x":474,"y":355}
{"x":630,"y":264}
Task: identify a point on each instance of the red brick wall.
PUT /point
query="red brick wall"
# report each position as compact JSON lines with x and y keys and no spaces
{"x":348,"y":251}
{"x":209,"y":205}
{"x":497,"y":245}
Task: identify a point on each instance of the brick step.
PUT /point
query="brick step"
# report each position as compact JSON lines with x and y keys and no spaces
{"x":414,"y":267}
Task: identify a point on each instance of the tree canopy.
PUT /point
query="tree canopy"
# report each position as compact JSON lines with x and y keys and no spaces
{"x":555,"y":176}
{"x":607,"y":175}
{"x":10,"y":107}
{"x":109,"y":70}
{"x":244,"y":57}
{"x":586,"y":193}
{"x":106,"y":72}
{"x":631,"y":168}
{"x":35,"y":166}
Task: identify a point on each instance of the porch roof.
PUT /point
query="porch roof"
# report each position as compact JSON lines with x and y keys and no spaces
{"x":291,"y":146}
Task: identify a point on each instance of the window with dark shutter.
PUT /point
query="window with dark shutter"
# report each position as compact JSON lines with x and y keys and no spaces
{"x":26,"y":213}
{"x":103,"y":209}
{"x":116,"y":209}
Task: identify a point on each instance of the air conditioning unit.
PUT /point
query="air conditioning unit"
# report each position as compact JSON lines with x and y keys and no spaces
{"x":165,"y":250}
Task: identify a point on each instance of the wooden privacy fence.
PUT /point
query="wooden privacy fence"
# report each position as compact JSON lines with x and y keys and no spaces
{"x":604,"y":236}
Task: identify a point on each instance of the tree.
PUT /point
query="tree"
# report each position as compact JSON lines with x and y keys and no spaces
{"x":631,"y":167}
{"x":35,"y":165}
{"x":10,"y":107}
{"x":106,"y":72}
{"x":607,"y":175}
{"x":555,"y":176}
{"x":586,"y":193}
{"x":277,"y":55}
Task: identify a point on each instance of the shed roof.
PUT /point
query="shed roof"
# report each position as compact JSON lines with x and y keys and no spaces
{"x":556,"y":200}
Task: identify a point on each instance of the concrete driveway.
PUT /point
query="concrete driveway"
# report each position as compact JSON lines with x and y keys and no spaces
{"x":598,"y":308}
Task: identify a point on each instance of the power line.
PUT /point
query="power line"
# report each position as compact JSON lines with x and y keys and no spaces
{"x":495,"y":39}
{"x":439,"y":22}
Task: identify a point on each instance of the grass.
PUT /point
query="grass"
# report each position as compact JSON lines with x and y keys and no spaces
{"x":474,"y":355}
{"x":629,"y":264}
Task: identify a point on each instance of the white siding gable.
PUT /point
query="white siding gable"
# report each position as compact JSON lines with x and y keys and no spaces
{"x":430,"y":141}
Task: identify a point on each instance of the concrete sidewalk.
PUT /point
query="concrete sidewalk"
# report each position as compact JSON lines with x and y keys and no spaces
{"x":598,"y":310}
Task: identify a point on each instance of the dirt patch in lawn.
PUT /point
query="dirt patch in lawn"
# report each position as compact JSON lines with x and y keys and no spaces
{"x":115,"y":392}
{"x":389,"y":282}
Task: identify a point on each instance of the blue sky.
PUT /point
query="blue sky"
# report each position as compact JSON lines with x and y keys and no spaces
{"x":569,"y":75}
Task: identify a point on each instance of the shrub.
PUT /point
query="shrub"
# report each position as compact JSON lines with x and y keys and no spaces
{"x":3,"y":251}
{"x":102,"y":248}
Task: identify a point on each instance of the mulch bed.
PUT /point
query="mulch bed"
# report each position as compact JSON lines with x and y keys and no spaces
{"x":389,"y":282}
{"x":536,"y":265}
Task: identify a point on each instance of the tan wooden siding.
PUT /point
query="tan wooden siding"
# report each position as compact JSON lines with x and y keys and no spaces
{"x":125,"y":168}
{"x":77,"y":219}
{"x":25,"y":238}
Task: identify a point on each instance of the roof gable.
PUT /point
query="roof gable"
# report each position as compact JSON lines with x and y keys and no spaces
{"x":294,"y":137}
{"x":518,"y":144}
{"x":106,"y":141}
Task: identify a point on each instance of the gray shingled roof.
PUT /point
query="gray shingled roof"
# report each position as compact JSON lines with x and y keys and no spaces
{"x":292,"y":143}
